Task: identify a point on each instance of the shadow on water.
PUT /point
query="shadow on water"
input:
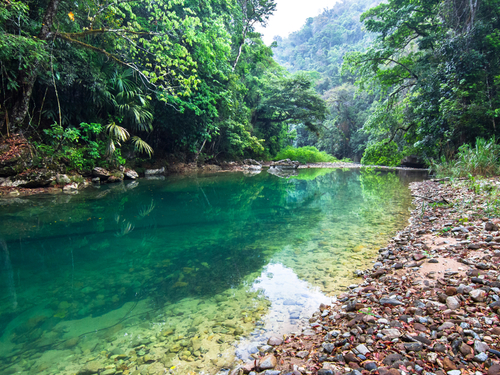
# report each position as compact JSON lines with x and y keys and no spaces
{"x":68,"y":258}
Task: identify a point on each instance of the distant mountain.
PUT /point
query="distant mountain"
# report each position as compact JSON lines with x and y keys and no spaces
{"x":322,"y":42}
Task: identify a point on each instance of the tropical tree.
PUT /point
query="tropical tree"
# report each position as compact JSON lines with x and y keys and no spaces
{"x":436,"y":63}
{"x":147,"y":37}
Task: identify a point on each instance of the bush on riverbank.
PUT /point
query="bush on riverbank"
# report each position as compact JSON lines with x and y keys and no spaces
{"x":480,"y":160}
{"x":306,"y":154}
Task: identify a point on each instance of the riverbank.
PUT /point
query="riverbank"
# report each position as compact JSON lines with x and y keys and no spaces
{"x":430,"y":303}
{"x":46,"y":181}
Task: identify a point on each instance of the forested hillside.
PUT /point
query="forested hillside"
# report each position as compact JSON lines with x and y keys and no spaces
{"x":96,"y":81}
{"x":418,"y":77}
{"x":319,"y":48}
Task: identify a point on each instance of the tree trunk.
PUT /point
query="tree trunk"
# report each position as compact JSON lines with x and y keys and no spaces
{"x":240,"y":49}
{"x":27,"y":78}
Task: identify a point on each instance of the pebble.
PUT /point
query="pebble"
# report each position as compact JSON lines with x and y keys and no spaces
{"x":362,"y":349}
{"x":268,"y":362}
{"x":443,"y":322}
{"x":481,"y":357}
{"x":477,"y":295}
{"x":453,"y":303}
{"x":480,"y":347}
{"x":274,"y":341}
{"x":446,"y":325}
{"x":390,"y":301}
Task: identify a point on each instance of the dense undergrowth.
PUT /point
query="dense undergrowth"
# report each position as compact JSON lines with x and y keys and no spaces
{"x":306,"y":154}
{"x":479,"y":160}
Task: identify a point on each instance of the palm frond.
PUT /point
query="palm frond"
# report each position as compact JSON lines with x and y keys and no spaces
{"x":110,"y":148}
{"x":142,"y":146}
{"x":117,"y":132}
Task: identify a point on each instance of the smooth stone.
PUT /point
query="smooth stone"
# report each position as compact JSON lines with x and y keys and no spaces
{"x":328,"y":347}
{"x":446,"y":325}
{"x":268,"y":362}
{"x":265,"y":348}
{"x":274,"y":341}
{"x":390,"y":301}
{"x":391,"y":358}
{"x":414,"y":346}
{"x":362,"y":349}
{"x":494,"y":370}
{"x":477,"y":295}
{"x":391,"y":333}
{"x":481,"y":357}
{"x":453,"y":303}
{"x":302,"y":354}
{"x":370,"y":366}
{"x":480,"y":347}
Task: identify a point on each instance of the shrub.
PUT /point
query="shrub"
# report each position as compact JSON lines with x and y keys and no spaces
{"x":306,"y":154}
{"x":480,"y":160}
{"x":383,"y":153}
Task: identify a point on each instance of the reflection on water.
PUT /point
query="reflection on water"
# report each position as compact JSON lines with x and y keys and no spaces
{"x":293,"y":301}
{"x":174,"y":273}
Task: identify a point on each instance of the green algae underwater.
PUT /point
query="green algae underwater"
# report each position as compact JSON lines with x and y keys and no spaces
{"x":188,"y":273}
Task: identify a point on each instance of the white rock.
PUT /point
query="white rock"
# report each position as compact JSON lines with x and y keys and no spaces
{"x":453,"y":303}
{"x":477,"y":295}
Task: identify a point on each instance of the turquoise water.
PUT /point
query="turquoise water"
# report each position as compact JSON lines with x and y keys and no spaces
{"x":183,"y":273}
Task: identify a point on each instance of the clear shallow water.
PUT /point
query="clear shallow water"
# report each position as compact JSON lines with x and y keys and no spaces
{"x":185,"y":272}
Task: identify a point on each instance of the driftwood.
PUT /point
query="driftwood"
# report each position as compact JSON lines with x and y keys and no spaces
{"x":431,"y":199}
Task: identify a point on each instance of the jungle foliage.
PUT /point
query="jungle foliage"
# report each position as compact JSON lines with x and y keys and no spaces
{"x":189,"y":79}
{"x":413,"y":77}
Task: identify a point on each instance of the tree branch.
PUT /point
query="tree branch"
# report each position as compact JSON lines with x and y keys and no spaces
{"x":107,"y":54}
{"x":396,"y":131}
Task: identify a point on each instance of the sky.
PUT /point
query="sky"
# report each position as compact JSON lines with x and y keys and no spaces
{"x":290,"y":15}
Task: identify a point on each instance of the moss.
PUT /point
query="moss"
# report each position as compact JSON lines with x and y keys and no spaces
{"x":77,"y":178}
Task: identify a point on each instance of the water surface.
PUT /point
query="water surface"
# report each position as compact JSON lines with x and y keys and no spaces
{"x":186,"y":272}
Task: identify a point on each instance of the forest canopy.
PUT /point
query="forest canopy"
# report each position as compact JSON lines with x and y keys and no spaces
{"x":92,"y":80}
{"x":420,"y":76}
{"x":187,"y":78}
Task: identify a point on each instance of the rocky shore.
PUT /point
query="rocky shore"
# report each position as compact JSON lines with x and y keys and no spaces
{"x":429,"y":305}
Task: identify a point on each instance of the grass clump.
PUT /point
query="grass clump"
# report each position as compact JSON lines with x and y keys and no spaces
{"x":306,"y":154}
{"x":480,"y":160}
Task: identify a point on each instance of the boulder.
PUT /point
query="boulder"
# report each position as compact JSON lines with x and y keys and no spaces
{"x":33,"y":179}
{"x":102,"y":173}
{"x":251,"y":162}
{"x":130,"y":174}
{"x":115,"y":177}
{"x":154,"y":172}
{"x":15,"y":156}
{"x":252,"y":167}
{"x":412,"y":161}
{"x":63,"y":179}
{"x":70,"y":187}
{"x":285,"y":164}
